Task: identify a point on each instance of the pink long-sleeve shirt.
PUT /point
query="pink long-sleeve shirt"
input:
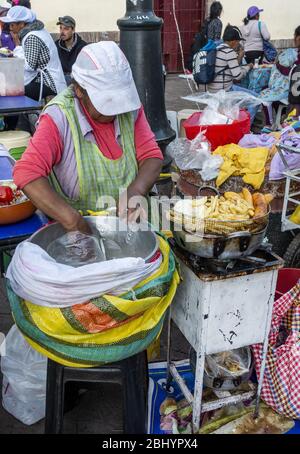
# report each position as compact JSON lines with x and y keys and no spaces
{"x":52,"y":147}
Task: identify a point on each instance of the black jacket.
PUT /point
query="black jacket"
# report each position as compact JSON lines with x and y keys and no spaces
{"x":68,"y":57}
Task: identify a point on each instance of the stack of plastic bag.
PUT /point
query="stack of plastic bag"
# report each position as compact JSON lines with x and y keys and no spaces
{"x":24,"y":379}
{"x":196,"y":155}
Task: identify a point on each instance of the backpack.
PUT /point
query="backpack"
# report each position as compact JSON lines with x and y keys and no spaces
{"x":204,"y":64}
{"x":200,"y":40}
{"x":294,"y":94}
{"x":269,"y":50}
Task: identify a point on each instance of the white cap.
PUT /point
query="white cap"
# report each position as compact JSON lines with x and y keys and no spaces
{"x":19,"y":14}
{"x":104,"y":72}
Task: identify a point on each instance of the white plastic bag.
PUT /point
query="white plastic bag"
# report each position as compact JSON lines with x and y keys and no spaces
{"x":211,"y":117}
{"x":226,"y":103}
{"x":211,"y":168}
{"x":234,"y":363}
{"x":190,"y":155}
{"x":24,"y":379}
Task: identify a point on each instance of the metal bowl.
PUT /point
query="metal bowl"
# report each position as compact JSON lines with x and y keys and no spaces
{"x":233,"y":246}
{"x":112,"y":233}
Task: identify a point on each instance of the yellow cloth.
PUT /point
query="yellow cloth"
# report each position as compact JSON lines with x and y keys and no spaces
{"x":295,"y":217}
{"x":249,"y":163}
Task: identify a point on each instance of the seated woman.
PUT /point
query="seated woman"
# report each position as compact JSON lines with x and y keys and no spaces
{"x":43,"y":72}
{"x":93,"y":140}
{"x":279,"y":83}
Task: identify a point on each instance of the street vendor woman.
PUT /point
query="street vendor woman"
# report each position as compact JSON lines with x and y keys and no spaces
{"x":92,"y":140}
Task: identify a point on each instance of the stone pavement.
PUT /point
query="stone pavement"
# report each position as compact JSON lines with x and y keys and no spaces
{"x":99,"y":410}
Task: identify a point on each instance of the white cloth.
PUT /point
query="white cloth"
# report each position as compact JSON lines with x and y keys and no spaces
{"x":19,"y":14}
{"x":104,"y":72}
{"x":54,"y":66}
{"x":38,"y":278}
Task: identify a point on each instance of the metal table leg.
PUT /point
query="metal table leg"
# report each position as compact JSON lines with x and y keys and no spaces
{"x":169,"y":374}
{"x":199,"y":373}
{"x":265,"y":351}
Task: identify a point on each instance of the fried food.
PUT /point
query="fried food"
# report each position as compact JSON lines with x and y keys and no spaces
{"x":269,"y":198}
{"x":248,"y":197}
{"x":223,"y":215}
{"x":260,"y":205}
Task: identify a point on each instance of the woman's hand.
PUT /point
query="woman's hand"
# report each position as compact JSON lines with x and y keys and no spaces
{"x":49,"y":202}
{"x":149,"y":171}
{"x":127,"y":211}
{"x":15,"y":37}
{"x":77,"y":224}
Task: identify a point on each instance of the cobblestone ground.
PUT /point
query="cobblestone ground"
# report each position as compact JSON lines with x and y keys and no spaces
{"x":99,"y":410}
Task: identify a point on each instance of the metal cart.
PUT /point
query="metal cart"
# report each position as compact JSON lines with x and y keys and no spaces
{"x":218,"y":314}
{"x":292,"y":255}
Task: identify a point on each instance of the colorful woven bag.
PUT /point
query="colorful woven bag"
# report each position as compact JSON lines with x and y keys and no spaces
{"x":281,"y":386}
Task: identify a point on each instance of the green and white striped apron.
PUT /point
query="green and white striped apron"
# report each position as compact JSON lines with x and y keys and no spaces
{"x":98,"y":176}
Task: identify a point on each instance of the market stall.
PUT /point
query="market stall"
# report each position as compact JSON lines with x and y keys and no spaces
{"x":228,"y":186}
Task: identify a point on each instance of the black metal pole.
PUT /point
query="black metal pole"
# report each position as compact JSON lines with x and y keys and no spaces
{"x":140,"y":40}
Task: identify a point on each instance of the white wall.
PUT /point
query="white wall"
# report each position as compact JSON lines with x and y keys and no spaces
{"x":91,"y":15}
{"x":281,"y":16}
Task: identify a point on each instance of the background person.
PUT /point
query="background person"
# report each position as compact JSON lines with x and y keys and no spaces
{"x":6,"y":39}
{"x":25,"y":3}
{"x":43,"y":72}
{"x":211,"y":29}
{"x":228,"y":66}
{"x":253,"y":32}
{"x":68,"y":45}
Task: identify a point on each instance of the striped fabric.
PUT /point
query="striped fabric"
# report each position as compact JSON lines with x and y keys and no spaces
{"x":104,"y":330}
{"x":95,"y":171}
{"x":227,"y":69}
{"x":281,"y":386}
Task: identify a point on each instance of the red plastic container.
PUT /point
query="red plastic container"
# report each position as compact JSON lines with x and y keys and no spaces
{"x":287,"y":279}
{"x":219,"y":135}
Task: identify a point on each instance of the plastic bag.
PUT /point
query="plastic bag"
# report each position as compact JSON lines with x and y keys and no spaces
{"x":226,"y":103}
{"x":229,"y":364}
{"x":189,"y":155}
{"x":24,"y":379}
{"x":211,"y":117}
{"x":211,"y":168}
{"x":76,"y":249}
